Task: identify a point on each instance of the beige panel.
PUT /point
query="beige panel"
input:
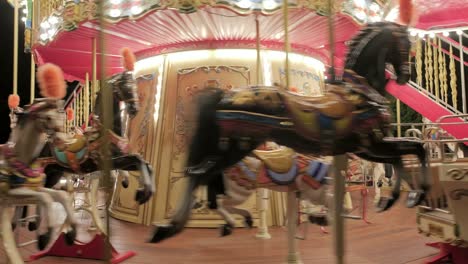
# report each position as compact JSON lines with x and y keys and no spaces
{"x":164,"y":141}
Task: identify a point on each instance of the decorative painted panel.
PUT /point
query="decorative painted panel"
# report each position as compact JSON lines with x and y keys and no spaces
{"x":189,"y":82}
{"x":454,"y":180}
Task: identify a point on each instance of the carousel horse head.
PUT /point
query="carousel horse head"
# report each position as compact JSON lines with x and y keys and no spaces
{"x":123,"y":86}
{"x":45,"y":115}
{"x":376,"y":45}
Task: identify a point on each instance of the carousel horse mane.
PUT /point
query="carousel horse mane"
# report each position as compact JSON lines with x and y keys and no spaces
{"x":372,"y":47}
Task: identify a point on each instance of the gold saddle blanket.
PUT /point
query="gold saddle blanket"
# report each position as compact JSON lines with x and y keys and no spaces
{"x":279,"y":160}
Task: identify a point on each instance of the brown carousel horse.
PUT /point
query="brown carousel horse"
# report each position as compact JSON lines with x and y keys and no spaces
{"x":352,"y":116}
{"x":21,"y":173}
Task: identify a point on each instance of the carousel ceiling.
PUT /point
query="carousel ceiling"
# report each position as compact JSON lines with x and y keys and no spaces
{"x":149,"y":27}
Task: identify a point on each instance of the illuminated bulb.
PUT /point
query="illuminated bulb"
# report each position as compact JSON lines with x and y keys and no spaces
{"x":45,"y":25}
{"x":421,"y":34}
{"x":115,"y":2}
{"x":269,"y":4}
{"x":51,"y":32}
{"x":136,"y":10}
{"x":53,"y":20}
{"x":25,"y":11}
{"x":278,"y":35}
{"x":413,"y":33}
{"x":459,"y":32}
{"x":115,"y":12}
{"x":431,"y":35}
{"x":244,"y":4}
{"x":446,"y":34}
{"x":43,"y":36}
{"x":23,"y":3}
{"x":23,"y":19}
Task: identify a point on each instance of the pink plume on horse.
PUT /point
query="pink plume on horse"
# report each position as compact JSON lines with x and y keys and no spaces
{"x":128,"y":59}
{"x":13,"y":101}
{"x":70,"y":114}
{"x":51,"y":81}
{"x":406,"y":11}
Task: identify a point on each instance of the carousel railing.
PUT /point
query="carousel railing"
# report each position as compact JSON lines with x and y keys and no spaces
{"x":444,"y":216}
{"x":78,"y":106}
{"x":438,"y":71}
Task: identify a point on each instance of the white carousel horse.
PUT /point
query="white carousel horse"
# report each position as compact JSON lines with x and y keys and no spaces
{"x":21,"y":176}
{"x":278,"y":168}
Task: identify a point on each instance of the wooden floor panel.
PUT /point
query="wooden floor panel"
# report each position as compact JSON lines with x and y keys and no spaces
{"x":392,"y":238}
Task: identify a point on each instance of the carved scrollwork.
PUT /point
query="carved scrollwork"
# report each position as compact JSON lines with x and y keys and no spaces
{"x":457,"y":194}
{"x":457,"y":174}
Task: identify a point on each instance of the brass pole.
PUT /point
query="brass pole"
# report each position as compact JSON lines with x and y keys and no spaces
{"x":33,"y":78}
{"x":106,"y":97}
{"x":257,"y":30}
{"x":15,"y":47}
{"x":286,"y":41}
{"x":94,"y":70}
{"x":398,"y":113}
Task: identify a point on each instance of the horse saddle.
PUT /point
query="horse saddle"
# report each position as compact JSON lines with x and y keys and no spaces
{"x":280,"y":160}
{"x":331,"y":104}
{"x":74,"y":153}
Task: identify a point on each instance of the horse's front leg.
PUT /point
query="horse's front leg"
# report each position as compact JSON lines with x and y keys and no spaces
{"x":46,"y":203}
{"x":134,"y":162}
{"x":64,"y":199}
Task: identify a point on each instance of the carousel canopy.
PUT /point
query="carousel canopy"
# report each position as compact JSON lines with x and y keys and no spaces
{"x":151,"y":27}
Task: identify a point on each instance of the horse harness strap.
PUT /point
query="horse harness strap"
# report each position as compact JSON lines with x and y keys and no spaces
{"x":17,"y":173}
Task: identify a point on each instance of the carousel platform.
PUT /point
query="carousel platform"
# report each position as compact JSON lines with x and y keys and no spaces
{"x":391,"y":238}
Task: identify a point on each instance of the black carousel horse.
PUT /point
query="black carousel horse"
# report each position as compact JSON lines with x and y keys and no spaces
{"x":84,"y":155}
{"x":351,"y":117}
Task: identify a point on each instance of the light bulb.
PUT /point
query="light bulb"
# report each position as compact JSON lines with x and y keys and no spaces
{"x":445,"y":33}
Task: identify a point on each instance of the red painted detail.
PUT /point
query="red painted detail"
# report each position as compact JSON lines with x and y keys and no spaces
{"x":95,"y":249}
{"x":457,"y":255}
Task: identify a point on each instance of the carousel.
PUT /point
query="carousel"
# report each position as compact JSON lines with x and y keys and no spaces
{"x":235,"y":113}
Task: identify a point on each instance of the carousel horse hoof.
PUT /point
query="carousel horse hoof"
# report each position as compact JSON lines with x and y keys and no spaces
{"x":248,"y":221}
{"x":143,"y":195}
{"x":320,"y":220}
{"x":385,"y":203}
{"x":125,"y":183}
{"x":415,"y":198}
{"x":32,"y":226}
{"x":44,"y":239}
{"x":379,"y":184}
{"x":13,"y":226}
{"x":225,"y":230}
{"x":70,"y":236}
{"x":161,"y":233}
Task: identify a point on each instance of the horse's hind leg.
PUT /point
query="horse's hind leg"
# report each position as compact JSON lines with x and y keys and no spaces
{"x":135,"y":163}
{"x":386,"y":203}
{"x":415,"y":197}
{"x":63,"y":198}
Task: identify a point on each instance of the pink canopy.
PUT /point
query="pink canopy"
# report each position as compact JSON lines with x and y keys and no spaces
{"x":214,"y":27}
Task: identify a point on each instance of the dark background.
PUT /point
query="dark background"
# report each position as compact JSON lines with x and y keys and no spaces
{"x":6,"y":67}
